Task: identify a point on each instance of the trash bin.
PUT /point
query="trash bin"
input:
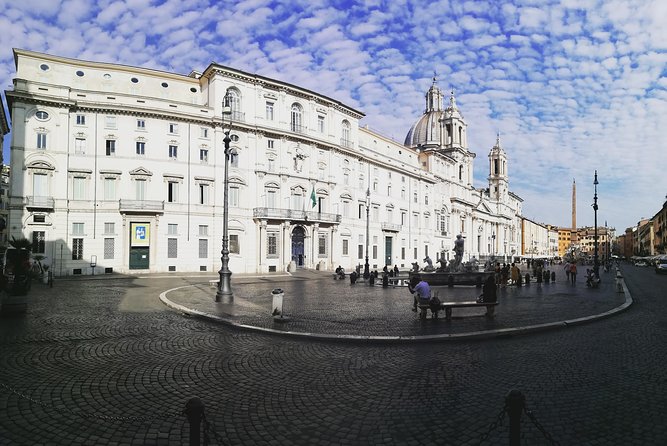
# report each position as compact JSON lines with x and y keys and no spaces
{"x":278,"y":295}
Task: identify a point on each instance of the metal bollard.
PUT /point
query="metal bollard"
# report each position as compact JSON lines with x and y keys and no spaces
{"x":515,"y":403}
{"x":194,"y":410}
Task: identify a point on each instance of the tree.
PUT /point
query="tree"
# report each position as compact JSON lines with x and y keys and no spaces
{"x":21,"y":243}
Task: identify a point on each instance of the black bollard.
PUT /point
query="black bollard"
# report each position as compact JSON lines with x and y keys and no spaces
{"x":527,"y":279}
{"x":519,"y":280}
{"x":194,"y":410}
{"x":385,"y":281}
{"x":515,"y":402}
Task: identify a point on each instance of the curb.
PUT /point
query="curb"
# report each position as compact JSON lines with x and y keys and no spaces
{"x":474,"y":335}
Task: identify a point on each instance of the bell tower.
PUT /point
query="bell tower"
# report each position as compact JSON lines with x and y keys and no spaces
{"x":498,"y":179}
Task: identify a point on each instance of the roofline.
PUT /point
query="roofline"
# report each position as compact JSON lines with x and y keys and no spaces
{"x":88,"y":63}
{"x":214,"y":66}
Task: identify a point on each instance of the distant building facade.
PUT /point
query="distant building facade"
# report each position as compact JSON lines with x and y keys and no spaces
{"x":121,"y":167}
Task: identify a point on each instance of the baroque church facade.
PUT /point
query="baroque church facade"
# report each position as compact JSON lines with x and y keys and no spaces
{"x":120,"y":169}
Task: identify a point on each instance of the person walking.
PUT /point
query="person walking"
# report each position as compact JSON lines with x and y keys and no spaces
{"x":573,"y":272}
{"x":515,"y":273}
{"x":567,"y":270}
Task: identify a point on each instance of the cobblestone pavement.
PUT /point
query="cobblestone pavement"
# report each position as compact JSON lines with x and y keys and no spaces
{"x":316,"y":304}
{"x":103,"y":362}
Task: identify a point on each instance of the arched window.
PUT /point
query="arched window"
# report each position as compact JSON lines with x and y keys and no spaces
{"x":345,"y":134}
{"x":233,"y":100}
{"x":461,"y":135}
{"x":296,"y":118}
{"x":461,"y":173}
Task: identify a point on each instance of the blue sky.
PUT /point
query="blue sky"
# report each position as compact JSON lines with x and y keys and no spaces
{"x":571,"y":86}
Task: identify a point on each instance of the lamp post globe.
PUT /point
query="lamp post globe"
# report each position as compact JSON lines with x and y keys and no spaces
{"x":225,"y":292}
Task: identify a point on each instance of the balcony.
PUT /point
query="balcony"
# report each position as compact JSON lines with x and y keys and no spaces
{"x":297,"y":128}
{"x":141,"y":207}
{"x":391,"y":227}
{"x":40,"y":203}
{"x":294,"y":215}
{"x":344,"y":142}
{"x":238,"y":116}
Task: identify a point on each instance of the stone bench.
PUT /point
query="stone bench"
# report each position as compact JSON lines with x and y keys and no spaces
{"x":448,"y":306}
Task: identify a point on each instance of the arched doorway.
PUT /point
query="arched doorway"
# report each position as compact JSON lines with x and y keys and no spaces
{"x":298,"y":237}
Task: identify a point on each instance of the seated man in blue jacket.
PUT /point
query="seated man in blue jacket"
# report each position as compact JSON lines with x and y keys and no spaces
{"x":420,"y":289}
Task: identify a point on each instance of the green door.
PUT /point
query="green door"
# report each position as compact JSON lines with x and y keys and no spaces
{"x":139,"y":257}
{"x":387,"y":250}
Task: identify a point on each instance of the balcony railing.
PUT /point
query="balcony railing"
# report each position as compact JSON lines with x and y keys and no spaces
{"x":40,"y":202}
{"x":393,"y":227}
{"x":346,"y":143}
{"x":291,"y":214}
{"x":297,"y":128}
{"x":146,"y":206}
{"x":238,"y":116}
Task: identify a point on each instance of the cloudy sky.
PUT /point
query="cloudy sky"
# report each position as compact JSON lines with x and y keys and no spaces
{"x":571,"y":86}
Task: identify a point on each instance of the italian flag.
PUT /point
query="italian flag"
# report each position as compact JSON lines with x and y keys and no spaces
{"x":313,"y":198}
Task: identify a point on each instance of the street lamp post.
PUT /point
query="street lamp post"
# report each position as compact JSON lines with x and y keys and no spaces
{"x":493,"y":244}
{"x":224,"y":284}
{"x":596,"y":265}
{"x":368,"y":206}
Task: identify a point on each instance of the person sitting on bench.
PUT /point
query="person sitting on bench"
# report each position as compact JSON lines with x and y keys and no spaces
{"x":489,"y":291}
{"x":420,"y":289}
{"x":341,"y":272}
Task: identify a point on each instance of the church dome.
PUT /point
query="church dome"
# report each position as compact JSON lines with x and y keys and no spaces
{"x":426,"y":131}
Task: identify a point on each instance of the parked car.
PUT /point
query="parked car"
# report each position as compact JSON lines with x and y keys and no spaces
{"x":16,"y":277}
{"x":641,"y":263}
{"x":661,"y":265}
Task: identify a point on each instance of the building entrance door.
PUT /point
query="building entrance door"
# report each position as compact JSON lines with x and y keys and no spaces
{"x":140,"y":245}
{"x":298,"y":237}
{"x":388,"y":242}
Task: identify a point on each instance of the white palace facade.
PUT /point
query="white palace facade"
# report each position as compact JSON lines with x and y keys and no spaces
{"x":120,"y":169}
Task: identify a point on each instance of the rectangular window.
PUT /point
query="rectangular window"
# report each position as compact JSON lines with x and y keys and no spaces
{"x":173,"y":152}
{"x":271,"y":198}
{"x":272,"y":165}
{"x":173,"y":128}
{"x":79,"y":146}
{"x":77,"y":248}
{"x":109,"y":188}
{"x":346,"y":247}
{"x":234,"y":193}
{"x":110,"y":122}
{"x":361,"y":211}
{"x":141,"y":148}
{"x":109,"y":228}
{"x":272,"y":244}
{"x":375,"y":252}
{"x":77,"y":229}
{"x":360,"y":252}
{"x":320,"y":124}
{"x":172,"y":248}
{"x":203,"y":155}
{"x":109,"y":251}
{"x":234,"y":159}
{"x":78,"y":188}
{"x":403,"y":253}
{"x":141,"y":124}
{"x":172,"y":192}
{"x":204,"y":132}
{"x":322,"y":245}
{"x":269,"y":144}
{"x":203,"y":230}
{"x":140,"y":189}
{"x":234,"y":247}
{"x":38,"y":242}
{"x":41,"y":140}
{"x":269,"y":111}
{"x":111,"y":147}
{"x":415,"y":256}
{"x":80,"y":119}
{"x":203,"y":193}
{"x":172,"y":229}
{"x":203,"y":248}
